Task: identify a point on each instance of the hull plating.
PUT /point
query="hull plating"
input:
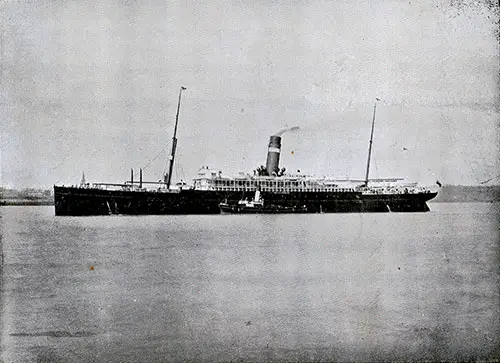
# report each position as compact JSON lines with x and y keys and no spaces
{"x":71,"y":201}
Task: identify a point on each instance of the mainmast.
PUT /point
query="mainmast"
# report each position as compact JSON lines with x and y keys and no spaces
{"x":371,"y":142}
{"x":174,"y":141}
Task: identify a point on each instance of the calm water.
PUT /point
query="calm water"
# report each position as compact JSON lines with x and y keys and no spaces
{"x":254,"y":288}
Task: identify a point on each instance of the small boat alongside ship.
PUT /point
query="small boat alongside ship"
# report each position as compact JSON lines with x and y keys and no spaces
{"x":268,"y":190}
{"x":257,"y":206}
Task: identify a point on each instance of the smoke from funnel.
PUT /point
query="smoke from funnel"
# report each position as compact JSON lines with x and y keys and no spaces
{"x":295,"y":128}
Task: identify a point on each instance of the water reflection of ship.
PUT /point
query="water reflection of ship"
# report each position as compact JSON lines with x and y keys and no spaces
{"x":278,"y":191}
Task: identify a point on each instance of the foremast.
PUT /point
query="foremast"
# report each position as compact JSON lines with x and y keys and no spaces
{"x":371,"y":142}
{"x":174,"y":141}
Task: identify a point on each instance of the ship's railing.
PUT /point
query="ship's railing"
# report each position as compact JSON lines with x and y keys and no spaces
{"x":395,"y":190}
{"x":284,"y":190}
{"x":127,"y":187}
{"x":276,"y":185}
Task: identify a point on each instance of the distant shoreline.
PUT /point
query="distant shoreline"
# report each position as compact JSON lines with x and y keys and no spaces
{"x":463,"y":201}
{"x":21,"y":202}
{"x":468,"y":194}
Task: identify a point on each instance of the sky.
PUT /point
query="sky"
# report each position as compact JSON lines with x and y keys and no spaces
{"x":92,"y":86}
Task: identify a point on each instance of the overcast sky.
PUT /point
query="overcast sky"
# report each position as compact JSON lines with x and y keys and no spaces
{"x":92,"y":86}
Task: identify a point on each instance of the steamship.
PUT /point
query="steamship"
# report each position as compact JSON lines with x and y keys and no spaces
{"x":211,"y":192}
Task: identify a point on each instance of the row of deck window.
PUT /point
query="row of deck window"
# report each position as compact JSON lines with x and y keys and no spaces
{"x":282,"y":189}
{"x":266,"y":185}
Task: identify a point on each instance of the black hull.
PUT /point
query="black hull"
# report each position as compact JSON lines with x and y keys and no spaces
{"x":70,"y":201}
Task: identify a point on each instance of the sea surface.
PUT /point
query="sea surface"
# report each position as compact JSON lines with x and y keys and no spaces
{"x":357,"y":287}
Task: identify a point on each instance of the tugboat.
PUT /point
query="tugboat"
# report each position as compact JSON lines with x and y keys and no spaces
{"x":256,"y":205}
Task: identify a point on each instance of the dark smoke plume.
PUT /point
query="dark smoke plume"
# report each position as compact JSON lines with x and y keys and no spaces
{"x":295,"y":128}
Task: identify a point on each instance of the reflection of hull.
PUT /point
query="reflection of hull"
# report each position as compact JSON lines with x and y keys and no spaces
{"x":270,"y":209}
{"x":75,"y":201}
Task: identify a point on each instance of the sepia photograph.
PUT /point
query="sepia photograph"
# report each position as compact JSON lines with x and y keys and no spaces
{"x":249,"y":181}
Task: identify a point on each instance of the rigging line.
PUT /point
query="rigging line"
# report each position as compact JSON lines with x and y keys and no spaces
{"x":60,"y":163}
{"x":376,"y":166}
{"x":179,"y":172}
{"x":156,"y":157}
{"x":490,"y":179}
{"x":90,"y":154}
{"x":183,"y":176}
{"x":165,"y":167}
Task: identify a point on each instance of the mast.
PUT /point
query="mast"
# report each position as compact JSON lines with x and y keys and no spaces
{"x":371,"y":142}
{"x":174,"y":141}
